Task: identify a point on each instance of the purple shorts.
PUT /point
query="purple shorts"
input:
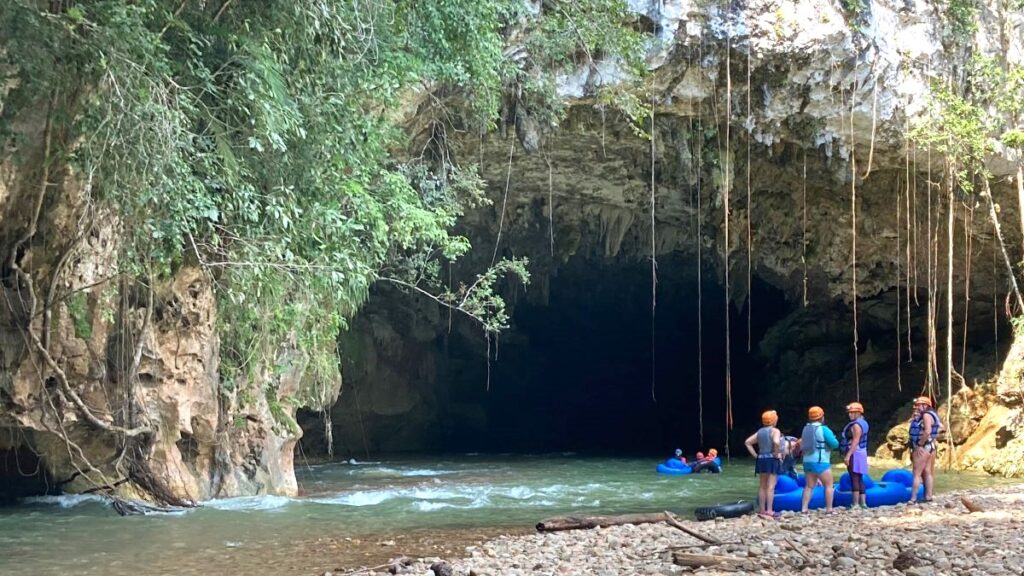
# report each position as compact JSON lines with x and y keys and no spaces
{"x":859,"y":462}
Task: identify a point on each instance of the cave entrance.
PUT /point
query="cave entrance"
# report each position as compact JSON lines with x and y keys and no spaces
{"x":575,"y":370}
{"x":22,"y":474}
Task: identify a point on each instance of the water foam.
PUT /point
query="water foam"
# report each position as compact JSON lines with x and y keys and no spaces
{"x":65,"y":500}
{"x":244,"y":503}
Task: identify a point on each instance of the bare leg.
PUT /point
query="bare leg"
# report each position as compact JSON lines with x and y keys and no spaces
{"x":929,"y":476}
{"x":920,"y":459}
{"x":810,"y":481}
{"x":762,"y":493}
{"x":826,"y":482}
{"x":772,"y":479}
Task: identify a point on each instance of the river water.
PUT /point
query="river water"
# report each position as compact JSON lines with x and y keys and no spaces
{"x":357,"y":513}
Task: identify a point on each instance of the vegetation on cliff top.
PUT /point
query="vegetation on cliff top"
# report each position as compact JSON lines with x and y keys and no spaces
{"x":258,"y":140}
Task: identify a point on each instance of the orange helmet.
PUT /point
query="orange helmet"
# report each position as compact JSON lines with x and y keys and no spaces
{"x":923,"y":400}
{"x":712,"y":452}
{"x":855,"y":407}
{"x":769,"y":418}
{"x":815,"y":413}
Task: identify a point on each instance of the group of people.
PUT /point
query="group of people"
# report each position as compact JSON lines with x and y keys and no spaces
{"x":701,"y":462}
{"x":772,"y":451}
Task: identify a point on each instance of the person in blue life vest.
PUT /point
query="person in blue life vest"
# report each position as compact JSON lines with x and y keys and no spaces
{"x":816,"y":444}
{"x":924,"y":430}
{"x":854,"y":444}
{"x":768,"y":461}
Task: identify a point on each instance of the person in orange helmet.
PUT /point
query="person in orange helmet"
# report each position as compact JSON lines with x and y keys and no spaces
{"x":854,"y":444}
{"x":768,"y":461}
{"x":817,"y":442}
{"x":924,"y":431}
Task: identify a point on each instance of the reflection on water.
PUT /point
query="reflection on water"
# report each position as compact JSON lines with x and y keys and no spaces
{"x":354,"y":514}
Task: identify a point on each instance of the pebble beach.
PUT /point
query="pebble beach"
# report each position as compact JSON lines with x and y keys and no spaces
{"x":941,"y":537}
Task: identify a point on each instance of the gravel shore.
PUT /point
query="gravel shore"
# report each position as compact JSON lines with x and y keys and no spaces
{"x":941,"y":537}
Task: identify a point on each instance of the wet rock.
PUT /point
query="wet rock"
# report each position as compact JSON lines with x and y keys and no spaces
{"x":442,"y":569}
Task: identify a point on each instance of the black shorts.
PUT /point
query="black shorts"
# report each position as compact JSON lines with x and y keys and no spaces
{"x":767,"y":465}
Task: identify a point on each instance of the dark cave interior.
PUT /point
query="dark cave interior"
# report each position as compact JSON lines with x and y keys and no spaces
{"x":578,"y":373}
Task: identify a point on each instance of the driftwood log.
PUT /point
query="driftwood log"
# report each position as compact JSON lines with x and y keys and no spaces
{"x":698,"y":560}
{"x":559,"y":523}
{"x":675,"y":523}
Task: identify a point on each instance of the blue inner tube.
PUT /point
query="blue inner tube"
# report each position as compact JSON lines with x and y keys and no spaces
{"x":666,"y":468}
{"x":894,"y":488}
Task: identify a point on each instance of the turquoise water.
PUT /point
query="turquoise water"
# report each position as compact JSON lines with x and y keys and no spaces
{"x":356,"y":513}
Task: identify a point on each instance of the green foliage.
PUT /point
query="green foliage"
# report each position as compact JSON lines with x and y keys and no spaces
{"x":964,"y":125}
{"x":963,"y":17}
{"x":1013,"y":139}
{"x":78,"y":308}
{"x":256,"y":139}
{"x":958,"y":129}
{"x":855,"y":11}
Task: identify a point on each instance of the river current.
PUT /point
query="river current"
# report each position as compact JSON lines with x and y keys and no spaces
{"x":357,"y":513}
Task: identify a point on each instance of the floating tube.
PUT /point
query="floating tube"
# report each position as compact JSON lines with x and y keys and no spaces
{"x":733,"y":510}
{"x":673,"y":467}
{"x":713,"y":467}
{"x":894,"y":488}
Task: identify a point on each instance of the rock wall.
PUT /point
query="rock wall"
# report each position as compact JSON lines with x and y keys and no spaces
{"x":137,"y":357}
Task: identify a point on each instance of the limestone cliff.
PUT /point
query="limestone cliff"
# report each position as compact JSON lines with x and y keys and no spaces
{"x":801,"y":89}
{"x":143,"y":360}
{"x":793,"y":107}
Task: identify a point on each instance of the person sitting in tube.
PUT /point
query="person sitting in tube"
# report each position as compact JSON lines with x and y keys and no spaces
{"x":679,"y":455}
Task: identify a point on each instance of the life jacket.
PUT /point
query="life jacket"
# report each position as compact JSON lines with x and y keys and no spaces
{"x":848,"y":435}
{"x":765,"y":445}
{"x":917,"y":426}
{"x":814,"y":446}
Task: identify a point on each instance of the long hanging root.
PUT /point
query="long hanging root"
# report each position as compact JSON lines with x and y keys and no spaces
{"x":899,"y":319}
{"x":853,"y":251}
{"x":700,"y":289}
{"x":654,"y":262}
{"x":803,"y":238}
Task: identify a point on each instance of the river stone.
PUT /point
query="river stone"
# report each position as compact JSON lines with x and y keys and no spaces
{"x":843,"y":563}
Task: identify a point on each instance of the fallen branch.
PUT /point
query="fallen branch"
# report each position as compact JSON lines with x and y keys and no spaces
{"x":671,"y":519}
{"x":798,"y":551}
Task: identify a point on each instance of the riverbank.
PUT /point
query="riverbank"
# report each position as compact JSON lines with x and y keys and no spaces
{"x":941,"y":537}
